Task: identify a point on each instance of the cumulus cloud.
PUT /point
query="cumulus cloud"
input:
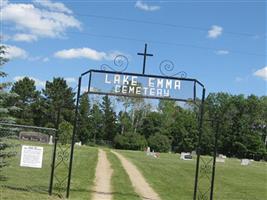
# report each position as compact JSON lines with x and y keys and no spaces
{"x":86,"y":53}
{"x":38,"y":82}
{"x":143,"y":6}
{"x":70,"y":80}
{"x":13,"y":52}
{"x":21,"y":37}
{"x":42,"y":19}
{"x":53,"y":6}
{"x":262,"y":73}
{"x":222,"y":52}
{"x":215,"y":32}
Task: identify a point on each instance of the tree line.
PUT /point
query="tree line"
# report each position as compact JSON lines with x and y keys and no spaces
{"x":133,"y":123}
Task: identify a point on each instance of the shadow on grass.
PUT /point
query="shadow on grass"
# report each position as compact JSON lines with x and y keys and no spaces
{"x":36,"y":189}
{"x":117,"y":193}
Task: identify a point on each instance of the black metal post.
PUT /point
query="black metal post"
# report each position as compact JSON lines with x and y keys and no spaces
{"x":199,"y":142}
{"x":214,"y":158}
{"x":73,"y":135}
{"x":54,"y":154}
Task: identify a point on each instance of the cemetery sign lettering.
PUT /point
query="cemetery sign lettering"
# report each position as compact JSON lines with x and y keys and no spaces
{"x":31,"y":156}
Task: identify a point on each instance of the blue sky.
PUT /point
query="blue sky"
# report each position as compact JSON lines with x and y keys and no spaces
{"x":220,"y":43}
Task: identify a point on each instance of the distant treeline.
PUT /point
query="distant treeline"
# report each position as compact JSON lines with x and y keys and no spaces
{"x":135,"y":123}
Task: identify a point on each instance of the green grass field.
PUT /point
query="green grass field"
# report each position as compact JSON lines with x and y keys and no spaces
{"x":171,"y":177}
{"x":31,"y":183}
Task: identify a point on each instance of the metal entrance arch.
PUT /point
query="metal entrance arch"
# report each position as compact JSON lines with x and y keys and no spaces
{"x":205,"y":168}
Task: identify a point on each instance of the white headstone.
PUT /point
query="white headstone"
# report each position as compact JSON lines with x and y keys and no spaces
{"x":222,"y":156}
{"x":245,"y":162}
{"x":186,"y":156}
{"x":148,"y":153}
{"x":78,"y":143}
{"x":31,"y":156}
{"x":50,"y":140}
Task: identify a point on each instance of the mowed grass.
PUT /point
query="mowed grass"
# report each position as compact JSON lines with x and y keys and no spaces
{"x":30,"y":183}
{"x":173,"y":178}
{"x":121,"y":184}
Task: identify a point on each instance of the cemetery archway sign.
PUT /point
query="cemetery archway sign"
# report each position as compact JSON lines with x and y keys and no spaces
{"x":115,"y":81}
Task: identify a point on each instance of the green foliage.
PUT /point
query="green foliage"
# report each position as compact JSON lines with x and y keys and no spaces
{"x":65,"y":131}
{"x":27,"y":96}
{"x":5,"y":110}
{"x":84,"y":131}
{"x":159,"y":143}
{"x":109,"y":119}
{"x":58,"y":98}
{"x":131,"y":141}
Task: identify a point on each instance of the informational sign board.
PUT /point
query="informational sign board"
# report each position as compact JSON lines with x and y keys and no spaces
{"x":144,"y":86}
{"x":31,"y":156}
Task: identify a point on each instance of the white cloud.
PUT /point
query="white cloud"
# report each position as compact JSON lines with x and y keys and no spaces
{"x":38,"y":83}
{"x":222,"y":52}
{"x":215,"y":32}
{"x":70,"y":80}
{"x":53,"y":6}
{"x":22,"y":37}
{"x":43,"y":19}
{"x":13,"y":52}
{"x":262,"y":73}
{"x":86,"y":53}
{"x":143,"y":6}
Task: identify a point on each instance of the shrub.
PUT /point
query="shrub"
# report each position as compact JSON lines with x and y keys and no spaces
{"x":159,"y":143}
{"x":65,"y":132}
{"x":130,"y":141}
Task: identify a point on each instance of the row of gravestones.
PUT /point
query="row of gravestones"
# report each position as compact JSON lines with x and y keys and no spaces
{"x":219,"y":159}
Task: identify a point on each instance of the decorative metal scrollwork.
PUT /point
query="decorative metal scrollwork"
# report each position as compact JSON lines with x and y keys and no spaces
{"x":166,"y":68}
{"x":121,"y":63}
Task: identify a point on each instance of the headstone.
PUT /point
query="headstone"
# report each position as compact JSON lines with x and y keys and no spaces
{"x":50,"y":140}
{"x":148,"y":152}
{"x":31,"y":156}
{"x":33,"y":136}
{"x":245,"y":162}
{"x":193,"y":153}
{"x":186,"y":156}
{"x":78,"y":143}
{"x":221,"y":158}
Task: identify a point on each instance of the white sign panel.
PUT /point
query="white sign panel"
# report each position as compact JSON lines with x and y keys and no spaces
{"x":31,"y":156}
{"x":127,"y":84}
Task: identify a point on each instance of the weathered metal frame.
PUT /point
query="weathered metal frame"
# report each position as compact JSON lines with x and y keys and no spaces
{"x":197,"y":194}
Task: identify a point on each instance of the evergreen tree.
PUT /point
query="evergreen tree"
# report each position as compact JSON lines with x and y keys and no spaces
{"x":96,"y":123}
{"x":109,"y":119}
{"x":59,"y":99}
{"x":27,"y":96}
{"x":84,"y":133}
{"x":5,"y":113}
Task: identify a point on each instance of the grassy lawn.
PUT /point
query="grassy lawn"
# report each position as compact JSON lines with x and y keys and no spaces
{"x":31,"y":183}
{"x":121,"y":184}
{"x":173,"y":178}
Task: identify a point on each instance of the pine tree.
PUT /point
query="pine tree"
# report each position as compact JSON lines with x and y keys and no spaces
{"x":5,"y":113}
{"x":109,"y":119}
{"x":84,"y":133}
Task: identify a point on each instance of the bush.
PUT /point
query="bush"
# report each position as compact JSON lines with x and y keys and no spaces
{"x":130,"y":141}
{"x":65,"y":132}
{"x":159,"y":143}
